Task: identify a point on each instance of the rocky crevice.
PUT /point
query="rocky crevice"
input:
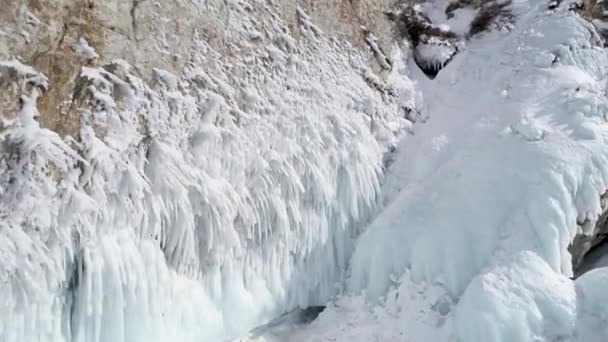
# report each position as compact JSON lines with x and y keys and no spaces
{"x":591,"y":234}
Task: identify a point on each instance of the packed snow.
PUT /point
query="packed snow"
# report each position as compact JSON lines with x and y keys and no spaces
{"x":214,"y":212}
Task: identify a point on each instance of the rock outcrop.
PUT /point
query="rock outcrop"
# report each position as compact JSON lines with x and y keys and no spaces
{"x":46,"y":35}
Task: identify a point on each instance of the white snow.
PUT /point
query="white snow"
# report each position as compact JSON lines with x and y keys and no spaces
{"x":182,"y":214}
{"x":591,"y":308}
{"x":483,"y":199}
{"x":84,"y":50}
{"x":459,"y":22}
{"x":515,"y":165}
{"x":522,"y":300}
{"x":187,"y":211}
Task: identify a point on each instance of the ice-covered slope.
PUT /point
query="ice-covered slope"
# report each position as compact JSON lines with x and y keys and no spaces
{"x":484,"y":199}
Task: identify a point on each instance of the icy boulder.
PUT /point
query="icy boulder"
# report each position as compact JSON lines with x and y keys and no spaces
{"x":522,"y":300}
{"x":591,"y":306}
{"x":434,"y":45}
{"x":433,"y":54}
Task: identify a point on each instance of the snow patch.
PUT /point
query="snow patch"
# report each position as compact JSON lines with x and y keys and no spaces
{"x":84,"y":50}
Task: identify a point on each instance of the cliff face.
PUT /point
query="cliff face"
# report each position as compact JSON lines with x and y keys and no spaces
{"x":162,"y":163}
{"x":148,"y":34}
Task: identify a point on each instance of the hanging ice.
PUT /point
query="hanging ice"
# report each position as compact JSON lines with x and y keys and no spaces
{"x":197,"y":206}
{"x":191,"y":208}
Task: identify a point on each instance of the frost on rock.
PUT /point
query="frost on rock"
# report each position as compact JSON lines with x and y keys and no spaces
{"x":433,"y":54}
{"x":195,"y":206}
{"x":434,"y":44}
{"x":84,"y":50}
{"x":372,"y":43}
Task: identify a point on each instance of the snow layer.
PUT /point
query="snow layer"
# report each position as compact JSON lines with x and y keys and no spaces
{"x":484,"y":198}
{"x":512,"y":158}
{"x":198,"y":206}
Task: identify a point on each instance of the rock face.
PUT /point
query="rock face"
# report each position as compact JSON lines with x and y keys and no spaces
{"x":590,"y":234}
{"x":149,"y":34}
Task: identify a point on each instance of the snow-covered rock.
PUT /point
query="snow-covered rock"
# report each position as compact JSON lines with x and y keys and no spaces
{"x":157,"y":197}
{"x":228,"y":170}
{"x":84,"y":50}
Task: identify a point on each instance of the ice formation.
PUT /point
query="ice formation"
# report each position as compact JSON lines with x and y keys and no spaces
{"x":434,"y":53}
{"x":194,"y":209}
{"x":482,"y":202}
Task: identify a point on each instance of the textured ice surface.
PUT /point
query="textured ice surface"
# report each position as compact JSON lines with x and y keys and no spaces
{"x":482,"y":201}
{"x":197,"y":206}
{"x":194,"y":208}
{"x":488,"y":175}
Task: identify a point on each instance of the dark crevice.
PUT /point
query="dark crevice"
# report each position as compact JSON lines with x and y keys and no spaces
{"x":586,"y":247}
{"x":592,"y":257}
{"x":311,"y":313}
{"x":553,"y":4}
{"x":431,"y":70}
{"x":418,"y":29}
{"x":293,"y":318}
{"x":490,"y":14}
{"x":78,"y":268}
{"x":134,"y":4}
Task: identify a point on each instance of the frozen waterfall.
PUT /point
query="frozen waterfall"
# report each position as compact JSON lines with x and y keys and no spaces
{"x":197,"y":207}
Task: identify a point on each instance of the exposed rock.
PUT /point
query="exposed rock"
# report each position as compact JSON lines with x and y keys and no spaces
{"x":48,"y":35}
{"x":591,"y":234}
{"x":434,"y":46}
{"x":492,"y":13}
{"x":594,"y":9}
